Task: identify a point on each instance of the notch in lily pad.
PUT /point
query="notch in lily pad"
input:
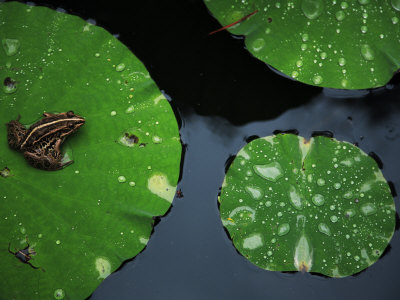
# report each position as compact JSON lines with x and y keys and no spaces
{"x":320,"y":206}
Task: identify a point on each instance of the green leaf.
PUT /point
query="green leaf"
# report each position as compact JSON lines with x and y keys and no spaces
{"x":351,"y":44}
{"x":320,"y":206}
{"x":82,"y":221}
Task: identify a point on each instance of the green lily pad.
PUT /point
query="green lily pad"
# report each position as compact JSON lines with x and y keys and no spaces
{"x":83,"y":221}
{"x":352,"y":44}
{"x":319,"y":206}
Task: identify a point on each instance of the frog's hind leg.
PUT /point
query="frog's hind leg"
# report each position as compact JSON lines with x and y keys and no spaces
{"x":50,"y":160}
{"x":41,"y":161}
{"x":15,"y":133}
{"x":37,"y":160}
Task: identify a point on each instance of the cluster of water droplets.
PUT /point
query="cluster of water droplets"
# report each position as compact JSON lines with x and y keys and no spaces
{"x":319,"y":55}
{"x":317,"y":205}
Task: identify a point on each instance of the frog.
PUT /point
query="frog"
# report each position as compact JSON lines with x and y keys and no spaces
{"x":40,"y":143}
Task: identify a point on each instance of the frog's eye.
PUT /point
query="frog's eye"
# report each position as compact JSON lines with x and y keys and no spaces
{"x":70,"y":114}
{"x":71,"y":125}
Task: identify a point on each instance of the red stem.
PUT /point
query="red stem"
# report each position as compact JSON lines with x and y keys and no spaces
{"x":234,"y":23}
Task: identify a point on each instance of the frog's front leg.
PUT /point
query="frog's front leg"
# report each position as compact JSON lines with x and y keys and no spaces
{"x":16,"y":133}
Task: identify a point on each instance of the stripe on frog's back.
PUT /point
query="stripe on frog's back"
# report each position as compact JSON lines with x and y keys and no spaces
{"x":36,"y":132}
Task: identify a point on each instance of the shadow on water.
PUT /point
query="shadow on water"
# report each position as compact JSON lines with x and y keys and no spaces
{"x":219,"y":75}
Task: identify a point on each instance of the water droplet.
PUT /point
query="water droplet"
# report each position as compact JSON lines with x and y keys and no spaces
{"x":342,"y":61}
{"x":283,"y":229}
{"x":258,"y":44}
{"x":121,"y":179}
{"x":59,"y":294}
{"x":317,"y":79}
{"x":299,"y":63}
{"x":396,"y":4}
{"x":156,"y":139}
{"x":6,"y":172}
{"x":128,"y":139}
{"x":120,"y":67}
{"x":295,"y":198}
{"x":113,"y":113}
{"x":395,"y":20}
{"x":344,"y":5}
{"x":58,"y":242}
{"x":254,"y":192}
{"x":312,"y":9}
{"x":277,"y":5}
{"x":279,"y":214}
{"x":357,"y":258}
{"x":303,"y":47}
{"x":340,"y":15}
{"x":271,"y":172}
{"x":10,"y":85}
{"x":22,"y":230}
{"x":368,"y":209}
{"x":364,"y":29}
{"x":337,"y":185}
{"x":348,"y":195}
{"x":318,"y":199}
{"x":268,"y":203}
{"x":305,"y":37}
{"x":321,"y":181}
{"x":40,"y":235}
{"x":273,"y":241}
{"x":268,"y":30}
{"x":10,"y":46}
{"x":334,"y":219}
{"x":363,"y":2}
{"x":323,"y":228}
{"x":332,"y":207}
{"x":132,"y":183}
{"x":252,"y":242}
{"x":365,"y":16}
{"x":323,"y":55}
{"x":295,"y":74}
{"x":97,"y":54}
{"x":130,"y":109}
{"x":367,"y":52}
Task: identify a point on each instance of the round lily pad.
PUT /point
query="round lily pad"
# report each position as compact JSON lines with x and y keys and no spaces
{"x":352,"y":44}
{"x":62,"y":232}
{"x":318,"y":206}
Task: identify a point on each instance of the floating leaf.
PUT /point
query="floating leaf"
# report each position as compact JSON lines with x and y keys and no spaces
{"x":319,"y":206}
{"x":337,"y":44}
{"x":83,"y":221}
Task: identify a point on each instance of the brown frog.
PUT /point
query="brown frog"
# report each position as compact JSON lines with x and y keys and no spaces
{"x":41,"y":143}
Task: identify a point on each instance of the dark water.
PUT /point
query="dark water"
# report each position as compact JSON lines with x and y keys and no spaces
{"x":224,"y":97}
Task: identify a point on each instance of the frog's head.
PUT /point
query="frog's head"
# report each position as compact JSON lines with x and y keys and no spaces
{"x":72,"y":122}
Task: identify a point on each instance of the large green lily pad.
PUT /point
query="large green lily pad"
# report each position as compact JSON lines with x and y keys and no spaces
{"x":82,"y":221}
{"x":352,"y":44}
{"x":320,"y":206}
